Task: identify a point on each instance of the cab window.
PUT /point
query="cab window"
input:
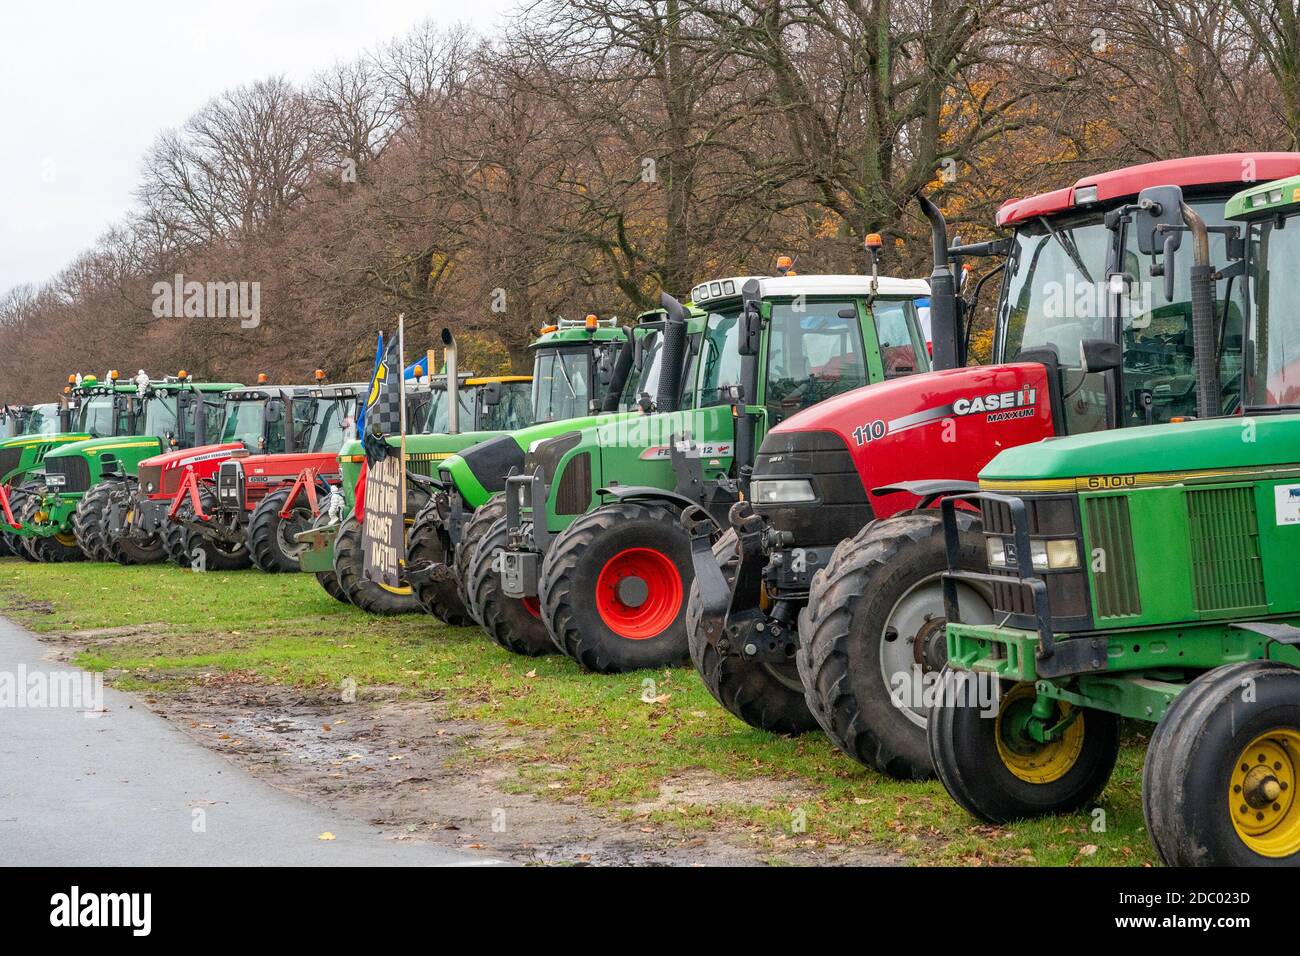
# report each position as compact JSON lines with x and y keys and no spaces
{"x":719,"y":361}
{"x":813,"y":352}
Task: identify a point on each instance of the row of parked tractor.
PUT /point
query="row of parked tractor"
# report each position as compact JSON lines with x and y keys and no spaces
{"x":797,"y":483}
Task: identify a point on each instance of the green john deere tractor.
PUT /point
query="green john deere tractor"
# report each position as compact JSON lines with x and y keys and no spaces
{"x":140,"y":418}
{"x":1149,"y":574}
{"x":88,"y":409}
{"x":591,"y":557}
{"x":29,"y":431}
{"x":590,"y":354}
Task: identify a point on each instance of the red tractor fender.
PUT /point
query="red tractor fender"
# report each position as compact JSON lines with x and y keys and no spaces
{"x":940,"y":425}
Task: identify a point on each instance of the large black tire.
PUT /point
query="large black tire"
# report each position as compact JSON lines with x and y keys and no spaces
{"x":514,"y":624}
{"x":56,"y":549}
{"x":349,"y":568}
{"x":88,"y":522}
{"x":764,"y":695}
{"x":1231,"y":732}
{"x":583,"y":578}
{"x":271,"y":541}
{"x":189,"y":549}
{"x":5,"y":550}
{"x":875,"y":614}
{"x":471,"y":534}
{"x":964,"y":744}
{"x":438,"y":594}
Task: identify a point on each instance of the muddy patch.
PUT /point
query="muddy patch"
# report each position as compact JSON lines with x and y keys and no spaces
{"x":401,"y":765}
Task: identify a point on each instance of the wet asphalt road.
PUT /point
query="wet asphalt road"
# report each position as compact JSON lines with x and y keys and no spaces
{"x":125,"y":788}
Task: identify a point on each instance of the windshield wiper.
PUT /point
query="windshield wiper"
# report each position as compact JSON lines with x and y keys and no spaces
{"x":1068,"y":245}
{"x":565,"y":372}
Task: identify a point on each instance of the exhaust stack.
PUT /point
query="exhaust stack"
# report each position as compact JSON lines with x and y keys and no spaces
{"x":453,"y":382}
{"x":945,"y":333}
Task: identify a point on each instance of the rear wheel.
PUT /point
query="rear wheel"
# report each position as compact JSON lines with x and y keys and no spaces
{"x":1219,"y":786}
{"x":513,"y":623}
{"x":271,"y":539}
{"x":872,"y":638}
{"x":763,"y":694}
{"x":349,"y":569}
{"x":189,"y":549}
{"x":55,"y":549}
{"x":990,"y":764}
{"x":471,"y":534}
{"x":88,"y":522}
{"x":439,"y":593}
{"x":615,"y":608}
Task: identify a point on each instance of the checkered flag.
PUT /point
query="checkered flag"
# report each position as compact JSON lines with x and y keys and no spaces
{"x":383,"y":411}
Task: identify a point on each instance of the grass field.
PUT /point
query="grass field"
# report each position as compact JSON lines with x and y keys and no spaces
{"x":612,"y":741}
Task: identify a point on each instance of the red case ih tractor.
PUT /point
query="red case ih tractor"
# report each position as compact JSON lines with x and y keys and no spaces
{"x":792,"y":625}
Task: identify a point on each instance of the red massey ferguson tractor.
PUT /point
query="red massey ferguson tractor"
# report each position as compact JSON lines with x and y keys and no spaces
{"x":822,"y":605}
{"x":278,"y":443}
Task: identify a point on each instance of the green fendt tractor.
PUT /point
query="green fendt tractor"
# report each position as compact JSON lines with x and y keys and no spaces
{"x":579,"y":380}
{"x":332,"y":547}
{"x":591,"y":557}
{"x":579,"y":368}
{"x":64,"y":521}
{"x":29,"y":432}
{"x":1149,"y":574}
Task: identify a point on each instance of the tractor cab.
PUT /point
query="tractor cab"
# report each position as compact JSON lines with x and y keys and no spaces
{"x":574,"y":364}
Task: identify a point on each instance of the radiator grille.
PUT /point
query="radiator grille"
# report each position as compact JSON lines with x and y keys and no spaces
{"x":10,"y":458}
{"x":574,"y":493}
{"x":75,"y":471}
{"x":1116,"y":582}
{"x":1224,"y":537}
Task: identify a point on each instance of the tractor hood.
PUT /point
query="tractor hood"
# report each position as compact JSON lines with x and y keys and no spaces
{"x":268,"y":467}
{"x":1197,"y":447}
{"x":937,"y":425}
{"x":32,"y":441}
{"x":182,"y":457}
{"x":135,"y":445}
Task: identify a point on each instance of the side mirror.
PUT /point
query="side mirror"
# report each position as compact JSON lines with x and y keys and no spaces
{"x":1099,"y":355}
{"x":272,"y":411}
{"x":492,"y":394}
{"x":751,"y":319}
{"x":1158,"y":223}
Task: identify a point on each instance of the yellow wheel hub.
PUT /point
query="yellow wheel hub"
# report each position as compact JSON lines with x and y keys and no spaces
{"x":67,"y":539}
{"x":1027,"y":759}
{"x":1261,"y":794}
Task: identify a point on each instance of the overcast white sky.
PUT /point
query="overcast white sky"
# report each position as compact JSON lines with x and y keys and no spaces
{"x":86,"y":85}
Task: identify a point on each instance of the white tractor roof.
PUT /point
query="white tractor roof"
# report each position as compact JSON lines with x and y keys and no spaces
{"x":716,"y":290}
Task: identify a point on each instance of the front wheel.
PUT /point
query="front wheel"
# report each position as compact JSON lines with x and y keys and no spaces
{"x":438,"y":593}
{"x":191,"y":550}
{"x":473,"y":531}
{"x":1219,"y":786}
{"x":54,"y":549}
{"x":612,"y":607}
{"x":873,"y":638}
{"x":765,"y":694}
{"x":514,"y":623}
{"x":990,"y":763}
{"x":349,"y":568}
{"x":272,"y":544}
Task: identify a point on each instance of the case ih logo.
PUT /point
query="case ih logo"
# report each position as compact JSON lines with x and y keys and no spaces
{"x":998,"y":406}
{"x":1023,"y":401}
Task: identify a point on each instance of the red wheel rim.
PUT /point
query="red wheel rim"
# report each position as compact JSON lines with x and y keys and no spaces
{"x":532,"y":605}
{"x":639,"y":593}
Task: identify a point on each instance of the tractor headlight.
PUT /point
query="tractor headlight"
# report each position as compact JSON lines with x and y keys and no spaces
{"x":1046,"y":554}
{"x":782,"y":491}
{"x":55,"y":480}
